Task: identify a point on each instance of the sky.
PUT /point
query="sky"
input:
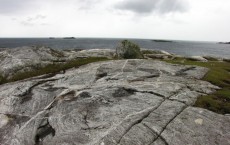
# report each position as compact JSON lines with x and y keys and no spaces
{"x":201,"y":20}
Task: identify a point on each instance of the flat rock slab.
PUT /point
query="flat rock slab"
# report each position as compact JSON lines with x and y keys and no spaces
{"x":126,"y":102}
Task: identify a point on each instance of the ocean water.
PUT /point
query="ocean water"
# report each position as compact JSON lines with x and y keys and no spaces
{"x":185,"y":48}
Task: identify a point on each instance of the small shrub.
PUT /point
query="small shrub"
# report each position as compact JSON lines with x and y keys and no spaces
{"x":128,"y":50}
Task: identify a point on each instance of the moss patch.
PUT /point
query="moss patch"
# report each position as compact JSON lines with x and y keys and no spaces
{"x":218,"y":75}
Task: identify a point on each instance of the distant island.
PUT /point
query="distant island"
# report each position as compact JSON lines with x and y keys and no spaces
{"x":162,"y":41}
{"x":62,"y":38}
{"x":69,"y":38}
{"x":224,"y":43}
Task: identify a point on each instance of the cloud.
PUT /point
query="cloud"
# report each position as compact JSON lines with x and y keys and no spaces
{"x":33,"y":20}
{"x":149,"y":6}
{"x":17,"y":6}
{"x":87,"y":4}
{"x":37,"y":17}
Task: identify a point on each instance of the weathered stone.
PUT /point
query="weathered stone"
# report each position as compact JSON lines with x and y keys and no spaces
{"x":134,"y":102}
{"x":198,"y":126}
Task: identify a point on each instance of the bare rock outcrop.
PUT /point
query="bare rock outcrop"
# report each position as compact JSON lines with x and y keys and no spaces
{"x":26,"y":58}
{"x":126,"y":102}
{"x":21,"y":59}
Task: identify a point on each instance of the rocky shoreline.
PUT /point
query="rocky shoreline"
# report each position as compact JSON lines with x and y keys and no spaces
{"x":126,"y":102}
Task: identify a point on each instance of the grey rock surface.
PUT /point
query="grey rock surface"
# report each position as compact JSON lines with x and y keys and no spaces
{"x":126,"y":102}
{"x":109,"y":53}
{"x":25,"y":58}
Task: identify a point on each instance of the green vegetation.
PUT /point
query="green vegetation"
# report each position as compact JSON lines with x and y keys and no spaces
{"x":219,"y":75}
{"x":51,"y":69}
{"x":128,"y":50}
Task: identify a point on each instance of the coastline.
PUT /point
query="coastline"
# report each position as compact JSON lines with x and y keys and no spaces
{"x":184,"y":48}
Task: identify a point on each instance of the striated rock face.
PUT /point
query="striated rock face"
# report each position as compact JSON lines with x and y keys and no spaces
{"x":126,"y":102}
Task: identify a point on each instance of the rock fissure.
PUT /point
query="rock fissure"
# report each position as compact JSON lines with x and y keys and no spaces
{"x":151,"y":92}
{"x":199,"y":91}
{"x":176,"y":100}
{"x":171,"y":120}
{"x":85,"y":120}
{"x":138,"y":121}
{"x":119,"y":73}
{"x":154,"y":132}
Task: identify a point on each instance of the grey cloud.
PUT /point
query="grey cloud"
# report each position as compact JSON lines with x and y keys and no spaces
{"x":17,"y":6}
{"x":87,"y":4}
{"x":37,"y":17}
{"x":33,"y":20}
{"x":26,"y":23}
{"x":149,"y":6}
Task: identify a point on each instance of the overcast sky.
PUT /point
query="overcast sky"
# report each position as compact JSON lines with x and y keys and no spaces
{"x":203,"y":20}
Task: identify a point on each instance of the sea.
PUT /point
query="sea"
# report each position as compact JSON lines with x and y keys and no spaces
{"x":184,"y":48}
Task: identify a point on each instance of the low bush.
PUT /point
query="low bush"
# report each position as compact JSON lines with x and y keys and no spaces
{"x":128,"y":50}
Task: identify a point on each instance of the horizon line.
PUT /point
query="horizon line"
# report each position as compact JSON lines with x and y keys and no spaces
{"x":108,"y":38}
